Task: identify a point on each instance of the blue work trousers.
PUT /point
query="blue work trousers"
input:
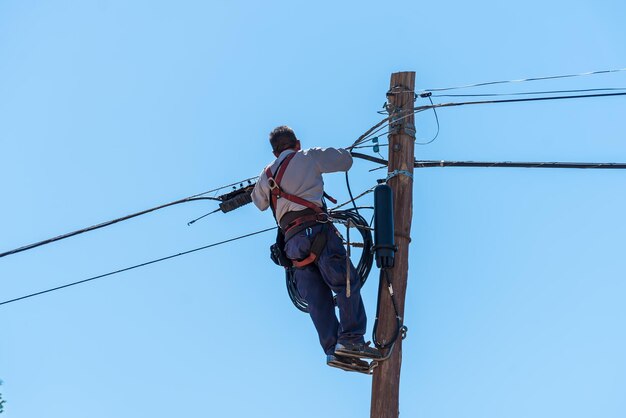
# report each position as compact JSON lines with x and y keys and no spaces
{"x":317,"y":282}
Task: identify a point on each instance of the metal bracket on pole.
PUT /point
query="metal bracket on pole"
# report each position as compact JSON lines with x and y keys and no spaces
{"x":395,"y":173}
{"x":402,"y":128}
{"x":399,"y":89}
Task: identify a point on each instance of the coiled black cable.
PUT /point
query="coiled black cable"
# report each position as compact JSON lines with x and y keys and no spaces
{"x":381,"y":345}
{"x":363,"y":268}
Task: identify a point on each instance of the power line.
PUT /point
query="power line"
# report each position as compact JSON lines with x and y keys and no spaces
{"x":123,"y":218}
{"x":363,"y":138}
{"x":98,"y":226}
{"x":226,"y":186}
{"x":134,"y":267}
{"x":437,"y":120}
{"x":523,"y":80}
{"x":525,"y":93}
{"x":513,"y":164}
{"x":395,"y":117}
{"x":531,"y":99}
{"x":500,"y":164}
{"x":352,"y":200}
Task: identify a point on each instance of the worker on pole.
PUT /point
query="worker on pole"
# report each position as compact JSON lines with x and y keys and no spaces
{"x":292,"y":186}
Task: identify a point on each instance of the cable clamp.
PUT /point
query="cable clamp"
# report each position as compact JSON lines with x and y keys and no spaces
{"x":395,"y":173}
{"x":402,"y":127}
{"x":409,"y":129}
{"x":399,"y":89}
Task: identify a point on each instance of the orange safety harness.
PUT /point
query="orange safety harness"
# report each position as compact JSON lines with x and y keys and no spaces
{"x":320,"y":216}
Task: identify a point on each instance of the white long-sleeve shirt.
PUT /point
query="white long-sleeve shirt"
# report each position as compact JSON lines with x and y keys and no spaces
{"x":302,"y":178}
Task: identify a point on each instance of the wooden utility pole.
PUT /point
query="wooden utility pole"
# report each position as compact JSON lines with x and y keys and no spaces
{"x":400,"y":98}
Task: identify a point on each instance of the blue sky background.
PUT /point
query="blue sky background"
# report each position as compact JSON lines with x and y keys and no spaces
{"x":516,"y":286}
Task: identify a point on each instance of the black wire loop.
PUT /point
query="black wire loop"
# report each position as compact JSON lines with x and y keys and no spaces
{"x":363,"y":268}
{"x":400,"y":328}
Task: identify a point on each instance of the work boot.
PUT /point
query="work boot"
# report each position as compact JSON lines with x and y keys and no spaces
{"x":349,"y":364}
{"x":358,"y":350}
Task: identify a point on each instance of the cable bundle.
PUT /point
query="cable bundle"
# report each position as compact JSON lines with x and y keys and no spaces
{"x":363,"y":268}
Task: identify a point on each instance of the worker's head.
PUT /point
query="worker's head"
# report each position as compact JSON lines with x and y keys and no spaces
{"x":283,"y":138}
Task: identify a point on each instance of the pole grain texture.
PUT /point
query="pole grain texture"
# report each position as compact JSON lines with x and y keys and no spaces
{"x":386,"y":380}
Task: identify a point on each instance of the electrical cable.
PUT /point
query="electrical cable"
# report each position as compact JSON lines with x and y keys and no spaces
{"x":363,"y":268}
{"x":361,"y":139}
{"x":240,"y":183}
{"x":512,"y":164}
{"x":134,"y":267}
{"x":371,"y":146}
{"x":528,"y":93}
{"x":489,"y":83}
{"x":417,"y":109}
{"x":399,"y":326}
{"x":352,"y":200}
{"x":100,"y":225}
{"x":500,"y":164}
{"x":195,"y":197}
{"x":437,"y":119}
{"x":350,"y":194}
{"x":380,"y":125}
{"x":396,"y":117}
{"x":531,"y":99}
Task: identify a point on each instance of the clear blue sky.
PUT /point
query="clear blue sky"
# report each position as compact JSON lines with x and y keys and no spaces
{"x":516,"y":283}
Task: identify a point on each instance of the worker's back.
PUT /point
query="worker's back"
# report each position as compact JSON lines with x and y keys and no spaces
{"x":302,"y":178}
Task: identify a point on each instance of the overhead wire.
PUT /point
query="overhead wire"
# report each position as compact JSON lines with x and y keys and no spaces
{"x":196,"y":197}
{"x":427,"y":94}
{"x":394,"y":117}
{"x":363,"y":138}
{"x":371,"y":146}
{"x":240,"y":182}
{"x":353,"y":199}
{"x":524,"y":93}
{"x":437,"y":120}
{"x":530,"y":99}
{"x":523,"y":80}
{"x":158,"y":260}
{"x":513,"y":164}
{"x":499,"y":164}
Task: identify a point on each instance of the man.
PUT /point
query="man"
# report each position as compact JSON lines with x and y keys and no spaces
{"x":293,"y":187}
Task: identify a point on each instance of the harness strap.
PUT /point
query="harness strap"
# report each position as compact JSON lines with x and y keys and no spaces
{"x":276,"y":191}
{"x":317,"y":246}
{"x":319,"y":242}
{"x":318,"y":218}
{"x":329,"y":197}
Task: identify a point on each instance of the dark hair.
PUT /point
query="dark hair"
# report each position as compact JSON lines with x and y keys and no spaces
{"x":282,"y":138}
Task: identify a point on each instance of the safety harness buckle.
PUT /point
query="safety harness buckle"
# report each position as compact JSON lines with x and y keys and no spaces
{"x":322,"y":218}
{"x":272,"y":183}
